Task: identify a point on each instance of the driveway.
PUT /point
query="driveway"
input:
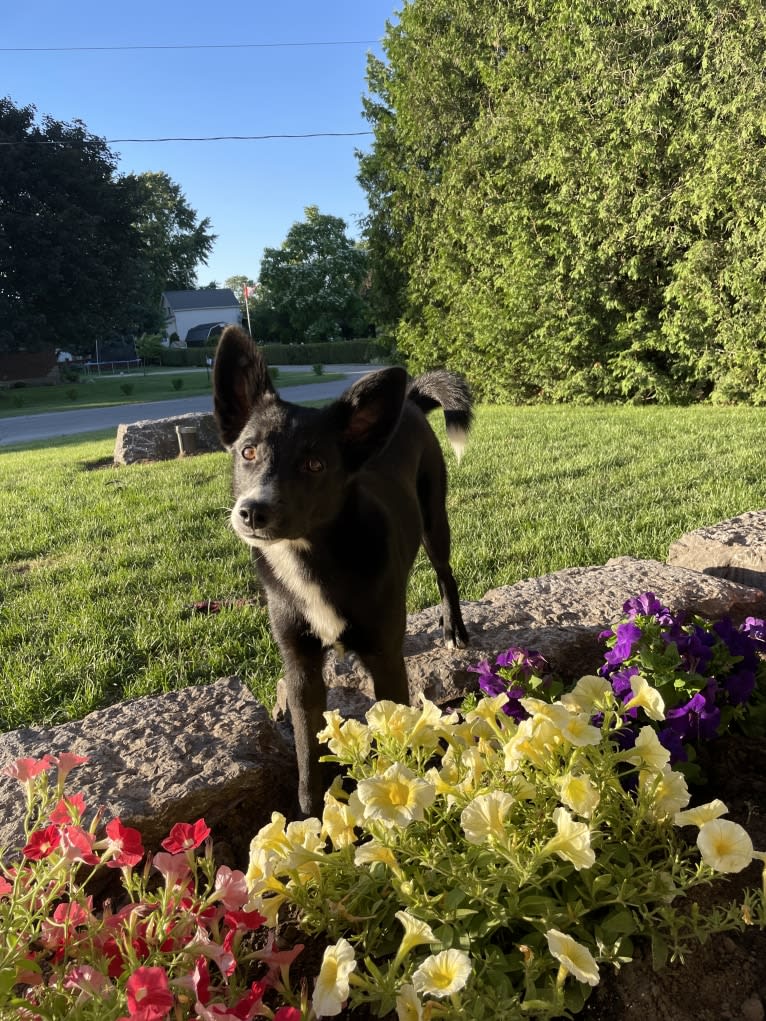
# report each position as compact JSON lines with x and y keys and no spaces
{"x":50,"y":424}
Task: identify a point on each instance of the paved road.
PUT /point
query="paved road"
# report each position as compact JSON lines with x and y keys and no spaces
{"x":50,"y":424}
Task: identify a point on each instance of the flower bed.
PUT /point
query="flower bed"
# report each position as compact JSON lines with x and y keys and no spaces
{"x":494,"y":863}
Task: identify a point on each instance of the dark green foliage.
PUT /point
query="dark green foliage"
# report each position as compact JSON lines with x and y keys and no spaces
{"x":330,"y":353}
{"x":312,"y":287}
{"x":84,"y":251}
{"x":568,"y":200}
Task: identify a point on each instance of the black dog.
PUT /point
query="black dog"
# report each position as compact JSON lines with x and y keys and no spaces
{"x":337,"y":501}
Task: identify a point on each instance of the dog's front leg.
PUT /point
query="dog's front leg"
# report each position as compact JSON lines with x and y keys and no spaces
{"x":307,"y":700}
{"x":388,"y":675}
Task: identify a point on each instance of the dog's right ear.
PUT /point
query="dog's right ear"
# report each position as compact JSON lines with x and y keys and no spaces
{"x":240,"y":381}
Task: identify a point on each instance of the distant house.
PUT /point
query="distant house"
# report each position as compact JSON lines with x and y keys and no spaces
{"x":189,"y":310}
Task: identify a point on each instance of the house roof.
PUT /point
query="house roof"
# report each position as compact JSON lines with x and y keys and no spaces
{"x":220,"y":297}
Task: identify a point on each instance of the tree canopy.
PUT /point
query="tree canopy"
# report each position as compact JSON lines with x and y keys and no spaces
{"x":568,"y":200}
{"x":312,"y":287}
{"x":84,"y":251}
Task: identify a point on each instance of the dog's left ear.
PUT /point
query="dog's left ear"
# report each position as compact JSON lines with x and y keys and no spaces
{"x":240,"y":381}
{"x":367,"y":414}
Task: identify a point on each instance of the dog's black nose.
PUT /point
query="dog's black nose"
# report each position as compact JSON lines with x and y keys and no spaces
{"x":255,"y":513}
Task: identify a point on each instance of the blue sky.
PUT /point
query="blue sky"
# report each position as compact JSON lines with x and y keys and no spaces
{"x":251,"y":190}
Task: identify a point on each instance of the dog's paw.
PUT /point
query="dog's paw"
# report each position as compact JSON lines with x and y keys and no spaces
{"x":456,"y":638}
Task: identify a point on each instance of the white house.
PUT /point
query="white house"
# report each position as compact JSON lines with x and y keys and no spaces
{"x":185,"y":310}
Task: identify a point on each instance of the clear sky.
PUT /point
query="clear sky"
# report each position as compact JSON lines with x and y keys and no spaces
{"x":251,"y":190}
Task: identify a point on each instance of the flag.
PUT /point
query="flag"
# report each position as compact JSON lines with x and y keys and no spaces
{"x":249,"y":292}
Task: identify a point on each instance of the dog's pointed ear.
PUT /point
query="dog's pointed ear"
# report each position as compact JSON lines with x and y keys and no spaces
{"x":240,"y":381}
{"x":367,"y":414}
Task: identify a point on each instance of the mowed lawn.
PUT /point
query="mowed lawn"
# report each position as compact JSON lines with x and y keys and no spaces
{"x":101,"y":567}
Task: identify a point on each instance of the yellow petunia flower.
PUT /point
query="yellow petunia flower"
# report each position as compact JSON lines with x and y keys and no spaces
{"x":573,"y":956}
{"x":416,"y":933}
{"x":667,"y":792}
{"x":724,"y":845}
{"x":443,"y":974}
{"x":332,"y":986}
{"x":483,"y":819}
{"x":648,"y":753}
{"x":338,"y":822}
{"x":408,"y":1005}
{"x":701,"y":814}
{"x":572,"y":841}
{"x":580,"y":794}
{"x":589,"y":695}
{"x":395,"y":798}
{"x":646,"y":697}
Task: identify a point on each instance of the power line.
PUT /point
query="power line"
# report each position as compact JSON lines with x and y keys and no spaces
{"x":201,"y":138}
{"x":186,"y":46}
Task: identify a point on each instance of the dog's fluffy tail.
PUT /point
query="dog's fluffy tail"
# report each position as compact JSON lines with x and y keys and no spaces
{"x":446,"y":390}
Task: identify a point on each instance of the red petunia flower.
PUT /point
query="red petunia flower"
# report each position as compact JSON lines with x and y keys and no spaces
{"x":69,"y":809}
{"x":149,"y":992}
{"x":124,"y":844}
{"x":186,"y":836}
{"x":42,"y":843}
{"x":287,"y":1014}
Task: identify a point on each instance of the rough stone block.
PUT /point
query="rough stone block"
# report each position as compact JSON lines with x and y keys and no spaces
{"x":733,"y":549}
{"x":209,"y":751}
{"x":157,"y":440}
{"x":559,"y":615}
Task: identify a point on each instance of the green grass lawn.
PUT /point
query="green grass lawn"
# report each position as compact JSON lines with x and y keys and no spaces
{"x":132,"y":388}
{"x":100,"y":567}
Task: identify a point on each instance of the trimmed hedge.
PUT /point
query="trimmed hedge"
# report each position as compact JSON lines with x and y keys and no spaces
{"x":327,"y":353}
{"x":185,"y":356}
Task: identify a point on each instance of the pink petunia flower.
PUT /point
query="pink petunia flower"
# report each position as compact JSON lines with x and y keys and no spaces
{"x":174,"y":867}
{"x":287,"y":1014}
{"x":186,"y":836}
{"x":5,"y":887}
{"x":89,"y":980}
{"x":25,"y":770}
{"x":124,"y":844}
{"x":231,"y":886}
{"x":77,"y":845}
{"x":42,"y":843}
{"x":66,"y":763}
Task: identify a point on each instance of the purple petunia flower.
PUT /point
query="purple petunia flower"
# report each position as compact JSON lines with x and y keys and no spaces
{"x":740,"y":685}
{"x":645,"y":605}
{"x":695,"y":649}
{"x":628,"y":635}
{"x":698,"y":719}
{"x":755,"y":629}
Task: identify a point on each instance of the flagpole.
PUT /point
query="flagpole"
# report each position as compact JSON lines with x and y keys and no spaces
{"x":247,"y":308}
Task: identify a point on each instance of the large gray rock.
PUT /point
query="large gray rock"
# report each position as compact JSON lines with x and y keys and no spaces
{"x":157,"y":439}
{"x":559,"y":615}
{"x":209,"y":751}
{"x":733,"y":549}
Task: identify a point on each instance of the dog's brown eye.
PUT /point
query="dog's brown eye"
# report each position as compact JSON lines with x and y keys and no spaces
{"x":249,"y":453}
{"x":313,"y":464}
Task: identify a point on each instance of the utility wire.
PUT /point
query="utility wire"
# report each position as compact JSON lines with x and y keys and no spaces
{"x":185,"y":46}
{"x":201,"y":138}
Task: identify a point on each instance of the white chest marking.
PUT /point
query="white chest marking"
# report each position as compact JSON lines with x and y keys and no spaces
{"x":322,"y":617}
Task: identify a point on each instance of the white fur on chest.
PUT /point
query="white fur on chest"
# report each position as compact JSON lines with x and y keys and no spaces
{"x":285,"y":562}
